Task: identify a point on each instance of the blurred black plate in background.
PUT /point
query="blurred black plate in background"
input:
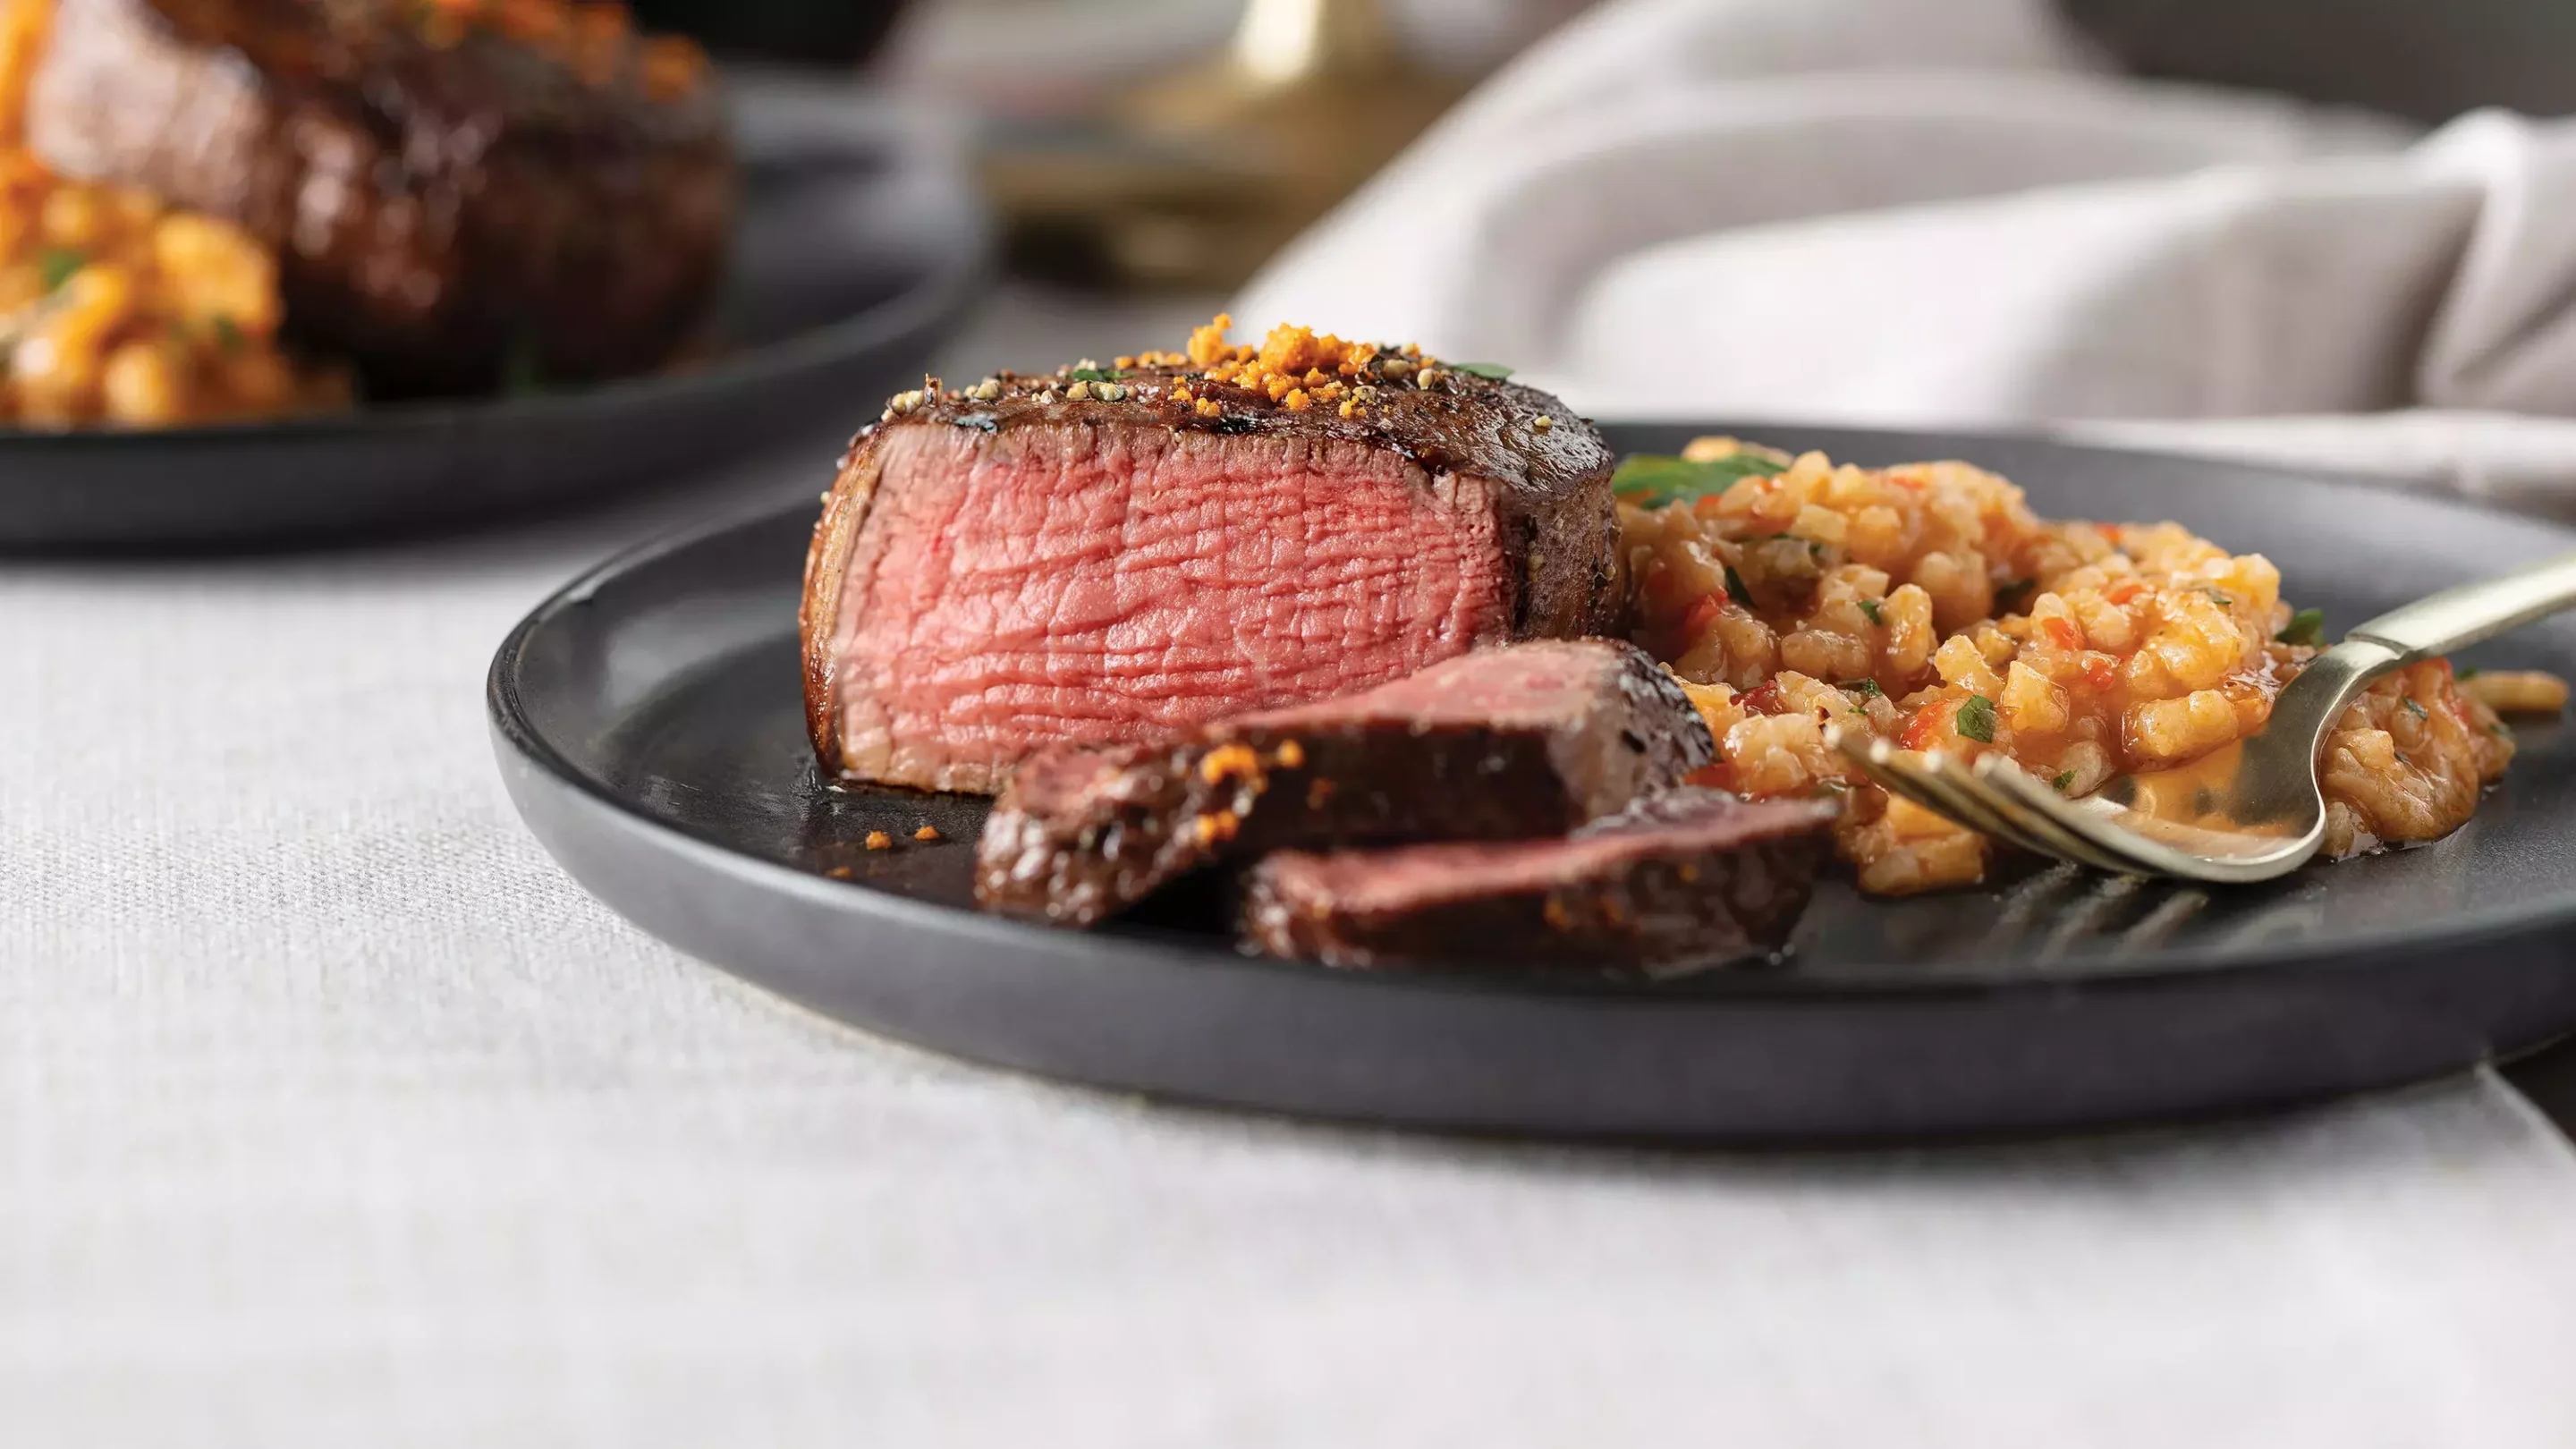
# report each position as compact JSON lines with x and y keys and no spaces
{"x":650,"y":727}
{"x":859,"y":244}
{"x":808,"y":32}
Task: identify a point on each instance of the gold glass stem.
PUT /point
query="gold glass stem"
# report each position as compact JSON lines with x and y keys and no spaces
{"x":1283,"y":41}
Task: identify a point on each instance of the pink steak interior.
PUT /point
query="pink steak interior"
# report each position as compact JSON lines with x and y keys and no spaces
{"x":1098,"y":583}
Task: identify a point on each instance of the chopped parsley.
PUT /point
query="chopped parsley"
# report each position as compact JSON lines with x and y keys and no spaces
{"x":2469,"y":673}
{"x":1870,"y":607}
{"x":1653,"y":480}
{"x":2064,"y":779}
{"x":1976,"y":719}
{"x":2308,"y":626}
{"x":2409,"y":702}
{"x":1865,"y":688}
{"x":2224,"y":602}
{"x":1736,"y":589}
{"x":1097,"y":374}
{"x":58,"y":264}
{"x":1494,"y":370}
{"x":228,"y":333}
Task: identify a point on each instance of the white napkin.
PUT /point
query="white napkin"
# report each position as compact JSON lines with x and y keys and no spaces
{"x":1948,"y":212}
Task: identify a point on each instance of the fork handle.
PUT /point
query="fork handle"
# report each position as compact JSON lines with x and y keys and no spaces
{"x":2459,"y":617}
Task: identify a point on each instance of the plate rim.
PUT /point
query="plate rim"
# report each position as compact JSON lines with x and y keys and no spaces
{"x":2157,"y":969}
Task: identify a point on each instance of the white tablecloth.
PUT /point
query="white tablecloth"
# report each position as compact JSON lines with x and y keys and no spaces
{"x":332,"y":1114}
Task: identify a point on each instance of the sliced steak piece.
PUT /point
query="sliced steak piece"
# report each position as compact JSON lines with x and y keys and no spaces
{"x":1024,"y":563}
{"x":1691,"y":876}
{"x":1496,"y":745}
{"x":443,"y":206}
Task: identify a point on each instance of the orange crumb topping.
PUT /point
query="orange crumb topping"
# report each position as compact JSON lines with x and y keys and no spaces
{"x":1226,"y":760}
{"x":927,"y":832}
{"x":1297,"y":350}
{"x":1208,"y":346}
{"x":879,"y":840}
{"x":1295,"y":367}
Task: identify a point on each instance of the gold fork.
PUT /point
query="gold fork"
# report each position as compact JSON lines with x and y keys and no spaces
{"x":2248,"y":812}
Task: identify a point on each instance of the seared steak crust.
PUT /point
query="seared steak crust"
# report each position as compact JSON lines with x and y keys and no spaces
{"x":1006,"y":567}
{"x":1499,"y":745}
{"x":441,"y":212}
{"x":1688,"y":877}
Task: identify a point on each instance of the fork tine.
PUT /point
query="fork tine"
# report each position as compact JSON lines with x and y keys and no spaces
{"x":1979,"y":808}
{"x":1988,"y":784}
{"x":2104,"y":847}
{"x":1881,"y":763}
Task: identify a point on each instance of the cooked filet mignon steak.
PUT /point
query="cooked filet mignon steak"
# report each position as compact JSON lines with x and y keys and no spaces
{"x":1691,"y":876}
{"x":1496,"y":745}
{"x":1033,"y":561}
{"x":444,"y":207}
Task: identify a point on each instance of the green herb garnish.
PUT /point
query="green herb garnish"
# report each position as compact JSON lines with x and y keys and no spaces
{"x":1097,"y":374}
{"x":1654,"y":480}
{"x":228,"y":333}
{"x":2469,"y":673}
{"x":58,"y":264}
{"x":1736,"y":588}
{"x":2064,"y":779}
{"x":1865,"y":688}
{"x":1494,"y":370}
{"x":1870,"y":607}
{"x":2409,"y":702}
{"x":1976,"y":719}
{"x":2224,"y":602}
{"x":2308,"y":626}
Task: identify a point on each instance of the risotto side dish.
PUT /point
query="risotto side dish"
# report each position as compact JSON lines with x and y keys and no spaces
{"x":1928,"y":605}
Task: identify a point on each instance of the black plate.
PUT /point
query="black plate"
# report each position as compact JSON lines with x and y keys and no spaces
{"x":648,"y":723}
{"x":859,"y":243}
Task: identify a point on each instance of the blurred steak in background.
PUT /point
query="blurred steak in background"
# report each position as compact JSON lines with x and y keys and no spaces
{"x":456,"y":203}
